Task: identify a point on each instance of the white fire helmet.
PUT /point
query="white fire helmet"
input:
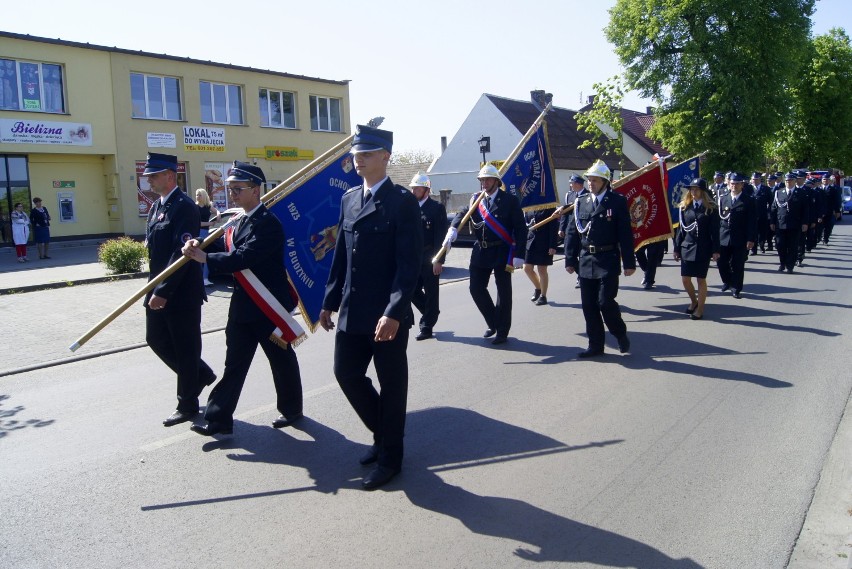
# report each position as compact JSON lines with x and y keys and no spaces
{"x":420,"y":180}
{"x":598,"y":169}
{"x":488,"y":171}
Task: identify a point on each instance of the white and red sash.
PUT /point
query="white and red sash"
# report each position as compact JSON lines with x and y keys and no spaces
{"x":287,"y":331}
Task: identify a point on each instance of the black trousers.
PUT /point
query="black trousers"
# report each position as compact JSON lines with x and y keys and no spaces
{"x":762,"y":233}
{"x":498,"y":316}
{"x":175,"y":336}
{"x":382,"y":411}
{"x":599,"y":307}
{"x":649,"y":258}
{"x":813,"y":235}
{"x":731,"y":263}
{"x":787,"y":242}
{"x":241,"y":341}
{"x":827,"y":227}
{"x":425,"y":297}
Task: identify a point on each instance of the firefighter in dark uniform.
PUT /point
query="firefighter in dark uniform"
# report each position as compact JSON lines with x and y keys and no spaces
{"x":372,"y":279}
{"x":789,"y":221}
{"x":719,"y":185}
{"x":833,"y":203}
{"x":820,"y":204}
{"x":501,"y":245}
{"x":737,"y":234}
{"x":256,"y":246}
{"x":576,"y":187}
{"x":598,"y":243}
{"x":810,"y":214}
{"x":762,"y":199}
{"x":433,"y":218}
{"x":173,"y":307}
{"x":775,"y":181}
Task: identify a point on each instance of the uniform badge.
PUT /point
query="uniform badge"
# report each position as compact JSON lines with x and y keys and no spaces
{"x":186,"y":237}
{"x":609,"y":215}
{"x":161,"y":216}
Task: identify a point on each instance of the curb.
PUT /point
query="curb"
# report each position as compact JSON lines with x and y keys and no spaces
{"x":68,"y":283}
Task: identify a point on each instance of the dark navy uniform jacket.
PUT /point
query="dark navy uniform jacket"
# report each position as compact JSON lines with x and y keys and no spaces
{"x":700,"y":243}
{"x":258,"y":245}
{"x":170,"y":225}
{"x":377,"y":259}
{"x":433,"y":218}
{"x":494,"y":255}
{"x":789,"y":209}
{"x":610,"y":230}
{"x":740,"y":227}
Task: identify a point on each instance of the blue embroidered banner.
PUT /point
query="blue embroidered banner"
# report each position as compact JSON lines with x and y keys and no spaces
{"x":530,"y":175}
{"x":679,"y":178}
{"x":309,"y":212}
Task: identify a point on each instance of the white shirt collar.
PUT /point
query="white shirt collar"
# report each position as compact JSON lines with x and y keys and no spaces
{"x":378,"y":185}
{"x":254,"y":209}
{"x":165,"y":198}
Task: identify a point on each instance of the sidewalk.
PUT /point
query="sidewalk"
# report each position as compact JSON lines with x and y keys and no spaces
{"x":71,"y":262}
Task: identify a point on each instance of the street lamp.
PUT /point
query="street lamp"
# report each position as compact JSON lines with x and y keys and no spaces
{"x":484,"y":146}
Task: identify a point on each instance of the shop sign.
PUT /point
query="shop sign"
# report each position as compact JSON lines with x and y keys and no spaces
{"x":162,"y":140}
{"x":287,"y":153}
{"x":203,"y":139}
{"x":14,"y":131}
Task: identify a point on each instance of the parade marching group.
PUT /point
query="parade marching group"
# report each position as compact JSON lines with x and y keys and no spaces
{"x":389,"y":253}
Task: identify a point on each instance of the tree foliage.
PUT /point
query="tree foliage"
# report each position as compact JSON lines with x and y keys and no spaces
{"x":417,"y":156}
{"x":716,"y":69}
{"x":605,"y":112}
{"x":817,"y":133}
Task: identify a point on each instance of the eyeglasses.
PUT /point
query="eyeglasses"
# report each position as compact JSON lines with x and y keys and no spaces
{"x":238,"y":190}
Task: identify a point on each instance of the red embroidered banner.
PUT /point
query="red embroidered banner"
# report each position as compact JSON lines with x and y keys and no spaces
{"x":645,"y":190}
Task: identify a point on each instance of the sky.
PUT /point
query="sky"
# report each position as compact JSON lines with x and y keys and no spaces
{"x":421,"y":65}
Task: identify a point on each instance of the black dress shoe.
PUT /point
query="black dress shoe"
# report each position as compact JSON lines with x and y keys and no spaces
{"x":211,"y":429}
{"x":488,"y":333}
{"x":737,"y":294}
{"x":499,"y":340}
{"x":423,"y":335}
{"x":591,"y":353}
{"x":696,"y":316}
{"x":690,"y":309}
{"x":726,"y":287}
{"x":286,"y":420}
{"x":780,"y":268}
{"x":379,"y":476}
{"x":371,"y":456}
{"x":542,"y":300}
{"x":179,"y":417}
{"x":536,"y":294}
{"x":624,"y":344}
{"x":800,"y":263}
{"x":790,"y":270}
{"x":648,"y":286}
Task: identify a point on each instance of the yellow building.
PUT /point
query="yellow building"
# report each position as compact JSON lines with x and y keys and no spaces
{"x":77,"y":121}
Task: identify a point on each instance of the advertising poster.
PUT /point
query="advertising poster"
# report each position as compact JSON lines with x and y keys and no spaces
{"x":214,"y":182}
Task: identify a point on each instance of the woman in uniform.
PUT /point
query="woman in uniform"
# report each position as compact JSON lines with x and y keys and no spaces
{"x":696,"y":242}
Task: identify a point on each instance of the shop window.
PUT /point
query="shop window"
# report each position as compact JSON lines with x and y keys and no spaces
{"x":325,"y":114}
{"x":277,"y":109}
{"x":31,"y":86}
{"x":155,"y":97}
{"x":221,"y":103}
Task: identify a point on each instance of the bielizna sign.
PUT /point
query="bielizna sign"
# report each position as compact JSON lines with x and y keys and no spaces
{"x":14,"y":131}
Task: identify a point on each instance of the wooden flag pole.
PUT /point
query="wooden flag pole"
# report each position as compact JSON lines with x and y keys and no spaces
{"x":564,"y":210}
{"x":272,"y":196}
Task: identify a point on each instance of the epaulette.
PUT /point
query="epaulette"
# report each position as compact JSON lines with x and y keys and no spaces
{"x":350,"y":190}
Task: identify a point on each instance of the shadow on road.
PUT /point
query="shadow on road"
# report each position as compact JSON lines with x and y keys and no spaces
{"x":8,"y":424}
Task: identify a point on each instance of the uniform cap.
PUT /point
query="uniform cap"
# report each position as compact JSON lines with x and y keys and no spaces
{"x":370,"y":139}
{"x":159,"y":163}
{"x":245,"y":172}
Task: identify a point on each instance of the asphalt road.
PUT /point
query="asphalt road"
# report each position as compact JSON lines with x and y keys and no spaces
{"x":702,"y":448}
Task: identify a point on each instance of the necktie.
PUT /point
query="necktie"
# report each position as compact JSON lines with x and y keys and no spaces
{"x":366,"y":197}
{"x":595,"y":202}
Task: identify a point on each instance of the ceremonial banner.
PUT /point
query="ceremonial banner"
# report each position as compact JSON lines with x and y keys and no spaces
{"x":645,"y":191}
{"x":529,"y":175}
{"x":678,"y":181}
{"x":309,"y":211}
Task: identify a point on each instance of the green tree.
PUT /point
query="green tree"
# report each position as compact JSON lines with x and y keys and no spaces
{"x":817,"y":133}
{"x":605,"y":113}
{"x":716,"y":69}
{"x":417,"y":156}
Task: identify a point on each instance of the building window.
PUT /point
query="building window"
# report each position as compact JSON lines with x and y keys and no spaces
{"x":220,"y":103}
{"x":325,"y":114}
{"x":155,"y":97}
{"x":277,"y":108}
{"x":31,"y":86}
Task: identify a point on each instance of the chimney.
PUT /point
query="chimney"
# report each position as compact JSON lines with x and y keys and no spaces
{"x":443,"y":144}
{"x":591,"y":100}
{"x":649,"y":110}
{"x":540,"y":99}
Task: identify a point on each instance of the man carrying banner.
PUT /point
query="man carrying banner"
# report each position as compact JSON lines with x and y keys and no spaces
{"x":373,"y":274}
{"x":173,"y":307}
{"x":433,"y":218}
{"x":501,"y":244}
{"x":260,"y":306}
{"x":598,"y":243}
